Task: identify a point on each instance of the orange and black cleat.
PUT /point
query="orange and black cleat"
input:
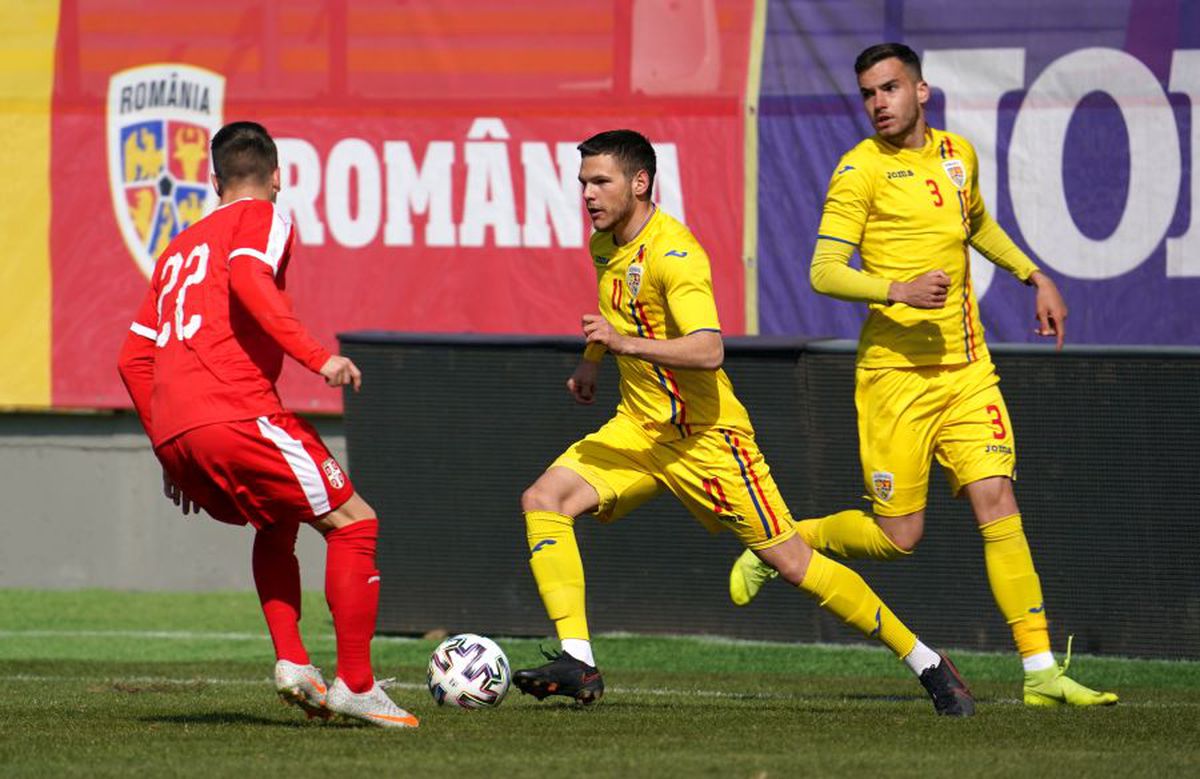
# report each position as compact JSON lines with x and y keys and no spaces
{"x":563,"y":675}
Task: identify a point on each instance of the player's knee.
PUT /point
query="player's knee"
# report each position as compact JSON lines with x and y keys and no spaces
{"x":791,"y":569}
{"x":538,"y":498}
{"x":905,"y":536}
{"x":353,"y":510}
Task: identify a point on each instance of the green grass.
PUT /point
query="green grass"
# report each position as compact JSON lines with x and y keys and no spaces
{"x":156,"y":684}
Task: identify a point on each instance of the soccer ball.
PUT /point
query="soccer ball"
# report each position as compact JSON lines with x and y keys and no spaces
{"x":468,"y":671}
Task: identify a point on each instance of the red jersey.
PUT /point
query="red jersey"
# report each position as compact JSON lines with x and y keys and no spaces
{"x":207,"y":344}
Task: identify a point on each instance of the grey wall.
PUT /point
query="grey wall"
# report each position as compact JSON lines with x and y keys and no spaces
{"x":82,"y":506}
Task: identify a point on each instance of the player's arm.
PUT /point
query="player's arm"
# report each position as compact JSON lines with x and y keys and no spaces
{"x":832,"y":275}
{"x":990,"y":240}
{"x":252,"y":282}
{"x":258,"y":246}
{"x":685,"y":278}
{"x":843,"y":221}
{"x":136,"y":360}
{"x":701,"y":350}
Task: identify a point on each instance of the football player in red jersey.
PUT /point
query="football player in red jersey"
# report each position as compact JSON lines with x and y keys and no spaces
{"x":200,"y":362}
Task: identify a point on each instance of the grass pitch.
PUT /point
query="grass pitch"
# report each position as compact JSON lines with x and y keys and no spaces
{"x":156,"y":684}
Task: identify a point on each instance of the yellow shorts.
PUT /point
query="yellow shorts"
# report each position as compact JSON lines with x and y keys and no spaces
{"x":908,"y":416}
{"x":717,"y":473}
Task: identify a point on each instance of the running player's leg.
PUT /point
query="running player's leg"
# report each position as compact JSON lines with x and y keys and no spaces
{"x":296,"y":477}
{"x":896,"y":420}
{"x":550,"y":506}
{"x":724,"y":481}
{"x":239,"y":477}
{"x":277,"y":581}
{"x":605,"y":474}
{"x":977,"y":449}
{"x":351,"y":532}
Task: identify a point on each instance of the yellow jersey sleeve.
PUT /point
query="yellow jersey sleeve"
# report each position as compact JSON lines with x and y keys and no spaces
{"x":594,"y":352}
{"x":832,"y":275}
{"x":989,"y":238}
{"x":847,"y":203}
{"x":686,"y":279}
{"x":843,"y":220}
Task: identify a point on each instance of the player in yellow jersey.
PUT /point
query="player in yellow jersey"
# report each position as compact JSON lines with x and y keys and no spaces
{"x":678,"y":428}
{"x":908,"y":199}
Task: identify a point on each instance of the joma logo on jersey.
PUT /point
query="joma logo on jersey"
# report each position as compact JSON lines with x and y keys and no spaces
{"x":161,"y":119}
{"x":900,"y":174}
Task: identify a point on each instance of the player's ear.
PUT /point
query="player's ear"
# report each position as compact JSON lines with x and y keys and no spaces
{"x":641,"y":184}
{"x":216,"y":184}
{"x":922,"y":92}
{"x":275,"y":180}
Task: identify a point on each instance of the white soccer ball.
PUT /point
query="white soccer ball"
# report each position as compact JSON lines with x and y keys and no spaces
{"x":468,"y":671}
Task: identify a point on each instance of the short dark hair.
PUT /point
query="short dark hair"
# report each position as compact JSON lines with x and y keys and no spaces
{"x":243,"y":151}
{"x":873,"y":55}
{"x":629,"y":148}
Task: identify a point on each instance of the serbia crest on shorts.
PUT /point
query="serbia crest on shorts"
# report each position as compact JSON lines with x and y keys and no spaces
{"x":956,"y":171}
{"x":883,"y":483}
{"x":161,"y":119}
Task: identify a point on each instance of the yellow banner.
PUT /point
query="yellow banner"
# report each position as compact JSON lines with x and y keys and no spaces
{"x":28,"y":29}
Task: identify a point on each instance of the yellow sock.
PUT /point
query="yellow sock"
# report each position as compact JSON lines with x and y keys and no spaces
{"x":558,"y":570}
{"x":1015,"y":583}
{"x":844,"y":593}
{"x":849,"y":534}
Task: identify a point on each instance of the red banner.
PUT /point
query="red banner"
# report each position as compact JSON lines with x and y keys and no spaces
{"x":428,"y":157}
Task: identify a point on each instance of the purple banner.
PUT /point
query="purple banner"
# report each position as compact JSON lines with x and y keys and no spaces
{"x":1086,"y":119}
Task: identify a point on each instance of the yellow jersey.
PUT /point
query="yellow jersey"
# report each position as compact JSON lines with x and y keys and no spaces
{"x":659,"y":285}
{"x":911,"y":211}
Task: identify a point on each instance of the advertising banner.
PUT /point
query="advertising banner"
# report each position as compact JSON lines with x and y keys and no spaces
{"x":1086,"y":120}
{"x":427,"y":153}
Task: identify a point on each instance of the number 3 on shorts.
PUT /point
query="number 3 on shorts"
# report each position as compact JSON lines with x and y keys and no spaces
{"x":998,"y":420}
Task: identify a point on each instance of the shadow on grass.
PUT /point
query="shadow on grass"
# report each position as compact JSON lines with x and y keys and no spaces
{"x":222,"y":718}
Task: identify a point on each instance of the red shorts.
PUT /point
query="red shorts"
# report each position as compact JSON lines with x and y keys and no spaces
{"x":263,"y":471}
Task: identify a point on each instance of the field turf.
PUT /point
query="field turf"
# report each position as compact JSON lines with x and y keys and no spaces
{"x":175,"y":684}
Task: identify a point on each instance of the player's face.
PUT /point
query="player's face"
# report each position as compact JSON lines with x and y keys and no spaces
{"x":894,"y":100}
{"x":609,"y":195}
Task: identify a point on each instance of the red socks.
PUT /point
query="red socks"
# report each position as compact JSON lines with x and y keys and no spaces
{"x":277,"y":579}
{"x":352,"y":592}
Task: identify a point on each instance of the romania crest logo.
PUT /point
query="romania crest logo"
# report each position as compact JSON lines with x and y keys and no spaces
{"x":956,"y":171}
{"x":633,"y":279}
{"x":883,"y":483}
{"x":161,"y":119}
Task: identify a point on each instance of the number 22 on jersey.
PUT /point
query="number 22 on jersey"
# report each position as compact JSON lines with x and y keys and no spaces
{"x":197,"y":263}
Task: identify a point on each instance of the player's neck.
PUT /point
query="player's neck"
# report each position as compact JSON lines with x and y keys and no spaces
{"x":635,"y":223}
{"x":913,"y":139}
{"x":233,"y":194}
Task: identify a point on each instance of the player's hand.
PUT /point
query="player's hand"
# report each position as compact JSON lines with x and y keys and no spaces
{"x":582,"y":384}
{"x":176,"y":496}
{"x":1051,"y":308}
{"x":928,"y":290}
{"x":340,"y":371}
{"x":596,"y":329}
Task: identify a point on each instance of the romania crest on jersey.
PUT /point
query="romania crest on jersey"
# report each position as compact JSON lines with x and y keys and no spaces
{"x":161,"y":119}
{"x":957,"y":172}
